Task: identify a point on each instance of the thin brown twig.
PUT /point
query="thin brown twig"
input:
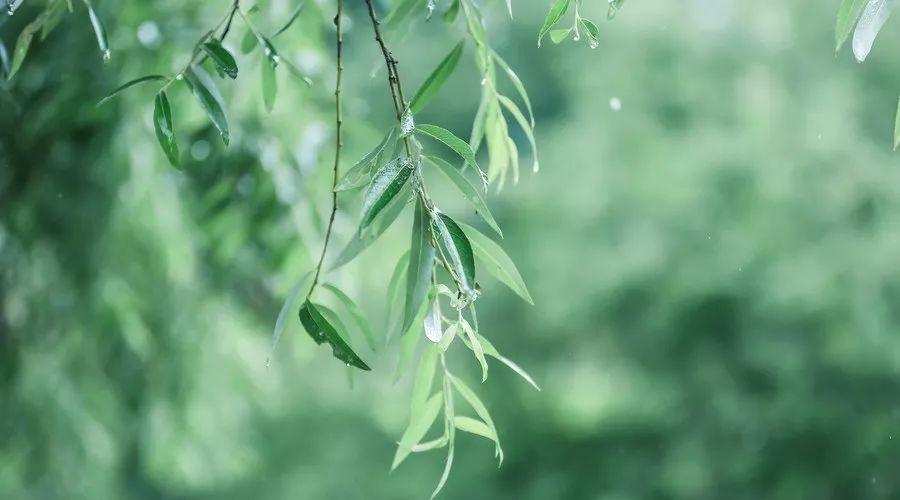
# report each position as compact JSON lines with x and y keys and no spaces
{"x":338,"y":141}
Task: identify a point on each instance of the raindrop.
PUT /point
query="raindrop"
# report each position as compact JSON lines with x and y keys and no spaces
{"x":200,"y":150}
{"x":106,"y":55}
{"x":148,"y":34}
{"x":407,"y":124}
{"x":615,"y":104}
{"x":594,"y":43}
{"x":430,"y":8}
{"x":276,"y":59}
{"x":179,"y":76}
{"x":483,"y":81}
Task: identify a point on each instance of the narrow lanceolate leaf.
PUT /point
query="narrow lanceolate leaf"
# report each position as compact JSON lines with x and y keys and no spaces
{"x":248,"y":42}
{"x":165,"y":133}
{"x":468,"y":191}
{"x":479,"y":407}
{"x":99,"y":30}
{"x":400,"y":13}
{"x":434,"y":444}
{"x":556,"y":12}
{"x":517,"y":83}
{"x":269,"y":83}
{"x":847,"y":15}
{"x":418,"y":426}
{"x":458,"y":249}
{"x":366,"y":236}
{"x":873,"y":17}
{"x":221,"y":58}
{"x":283,"y":313}
{"x":322,"y":331}
{"x":475,"y":345}
{"x":433,"y":330}
{"x":421,"y":265}
{"x":424,"y":379}
{"x":127,"y":85}
{"x":455,"y":143}
{"x":4,"y":60}
{"x":207,"y":94}
{"x":436,"y":80}
{"x":269,"y":50}
{"x":497,"y":262}
{"x":450,"y":430}
{"x":473,"y":426}
{"x":520,"y":119}
{"x":897,"y":127}
{"x":355,"y":312}
{"x":491,"y":351}
{"x":558,"y":35}
{"x":387,"y":182}
{"x":361,"y":173}
{"x":23,"y":42}
{"x":395,"y":295}
{"x":290,"y":21}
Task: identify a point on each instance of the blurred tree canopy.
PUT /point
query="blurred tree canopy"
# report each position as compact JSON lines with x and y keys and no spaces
{"x":711,"y":245}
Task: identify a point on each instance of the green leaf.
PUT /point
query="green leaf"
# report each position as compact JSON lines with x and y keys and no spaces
{"x":363,"y":238}
{"x":476,"y":348}
{"x":873,"y":17}
{"x":360,"y":174}
{"x":165,"y":133}
{"x":497,"y":262}
{"x":451,"y":12}
{"x":400,"y":13}
{"x":614,"y":6}
{"x":847,"y":15}
{"x":448,"y":337}
{"x":557,"y":36}
{"x":455,"y":143}
{"x":387,"y":182}
{"x":424,"y":379}
{"x":459,"y":251}
{"x":290,"y":21}
{"x":491,"y":351}
{"x":282,"y":314}
{"x":520,"y":119}
{"x":322,"y":331}
{"x":23,"y":42}
{"x":468,"y":190}
{"x":221,"y":58}
{"x":207,"y":94}
{"x":355,"y":312}
{"x":474,"y":426}
{"x":421,"y":265}
{"x":430,"y":445}
{"x":556,"y":12}
{"x":248,"y":42}
{"x":479,"y":407}
{"x":436,"y":80}
{"x":268,"y":49}
{"x":395,"y":296}
{"x":99,"y":30}
{"x":897,"y":127}
{"x":419,"y":423}
{"x":4,"y":60}
{"x":127,"y":85}
{"x":450,"y":431}
{"x":269,"y":84}
{"x":517,"y":83}
{"x":592,"y":31}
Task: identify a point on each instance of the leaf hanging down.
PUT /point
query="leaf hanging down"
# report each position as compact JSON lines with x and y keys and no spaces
{"x":23,"y":42}
{"x":221,"y":58}
{"x":480,"y":409}
{"x":468,"y":191}
{"x":400,"y":13}
{"x":474,"y":426}
{"x":395,"y":295}
{"x":455,"y":143}
{"x":99,"y":30}
{"x":897,"y":127}
{"x":355,"y":312}
{"x":421,"y":265}
{"x":450,"y":431}
{"x":847,"y":15}
{"x":436,"y":80}
{"x":873,"y":17}
{"x":517,"y":83}
{"x":419,"y":423}
{"x":458,"y":249}
{"x":556,"y":12}
{"x":165,"y":133}
{"x":520,"y":119}
{"x":387,"y":182}
{"x":269,"y":83}
{"x":491,"y":351}
{"x":360,"y":174}
{"x":475,"y":345}
{"x":322,"y":331}
{"x":290,"y":21}
{"x":497,"y":262}
{"x":423,"y":380}
{"x":207,"y":95}
{"x":127,"y":85}
{"x":282,"y":314}
{"x":433,"y":330}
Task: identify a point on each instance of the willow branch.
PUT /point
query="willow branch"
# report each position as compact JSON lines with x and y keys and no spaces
{"x":338,"y":141}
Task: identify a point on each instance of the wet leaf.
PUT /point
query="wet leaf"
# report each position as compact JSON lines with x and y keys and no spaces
{"x":468,"y":190}
{"x":99,"y":30}
{"x":557,"y":36}
{"x":294,"y":15}
{"x":520,"y":119}
{"x":479,"y":407}
{"x":873,"y":17}
{"x":491,"y":351}
{"x":433,"y":330}
{"x":847,"y":15}
{"x":386,"y":184}
{"x":165,"y":133}
{"x":360,"y":174}
{"x":419,"y":423}
{"x":517,"y":83}
{"x":455,"y":143}
{"x":421,"y":265}
{"x":556,"y":12}
{"x":127,"y":85}
{"x":322,"y":331}
{"x":475,"y":345}
{"x":207,"y":95}
{"x":355,"y":312}
{"x":436,"y":80}
{"x":497,"y":262}
{"x":221,"y":58}
{"x":458,"y":249}
{"x":23,"y":42}
{"x":363,"y":238}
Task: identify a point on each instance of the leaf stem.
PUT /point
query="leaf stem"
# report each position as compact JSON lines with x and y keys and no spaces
{"x":338,"y":141}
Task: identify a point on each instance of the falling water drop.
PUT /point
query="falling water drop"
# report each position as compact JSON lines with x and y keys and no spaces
{"x":615,"y":104}
{"x":594,"y":43}
{"x":276,"y":59}
{"x":483,"y":81}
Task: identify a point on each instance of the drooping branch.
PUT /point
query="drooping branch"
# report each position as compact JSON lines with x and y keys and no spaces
{"x":338,"y":140}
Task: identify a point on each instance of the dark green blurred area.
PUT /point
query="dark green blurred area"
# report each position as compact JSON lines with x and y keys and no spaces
{"x":716,"y":265}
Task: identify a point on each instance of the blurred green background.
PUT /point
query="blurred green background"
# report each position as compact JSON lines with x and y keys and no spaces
{"x":715,"y":265}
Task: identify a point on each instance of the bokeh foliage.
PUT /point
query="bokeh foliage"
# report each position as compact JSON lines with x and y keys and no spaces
{"x":714,"y":266}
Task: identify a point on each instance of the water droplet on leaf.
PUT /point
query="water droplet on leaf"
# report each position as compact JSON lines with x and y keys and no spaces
{"x":407,"y":123}
{"x":106,"y":55}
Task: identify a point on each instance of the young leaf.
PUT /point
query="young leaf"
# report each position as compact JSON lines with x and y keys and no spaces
{"x":491,"y":351}
{"x":520,"y":119}
{"x":165,"y":134}
{"x":556,"y":12}
{"x":424,"y":379}
{"x":455,"y":143}
{"x":221,"y":57}
{"x":204,"y":89}
{"x":361,"y":173}
{"x":517,"y":83}
{"x":436,"y":80}
{"x":269,"y":83}
{"x":419,"y":424}
{"x":421,"y":265}
{"x":433,"y":329}
{"x":873,"y":17}
{"x":476,"y":404}
{"x":474,"y":426}
{"x":558,"y":35}
{"x":476,"y":348}
{"x":468,"y":190}
{"x":497,"y":262}
{"x":387,"y":182}
{"x":459,"y":250}
{"x":23,"y":42}
{"x":358,"y":316}
{"x":99,"y":30}
{"x":282,"y":314}
{"x":847,"y":15}
{"x":127,"y":85}
{"x":363,"y":238}
{"x":322,"y":331}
